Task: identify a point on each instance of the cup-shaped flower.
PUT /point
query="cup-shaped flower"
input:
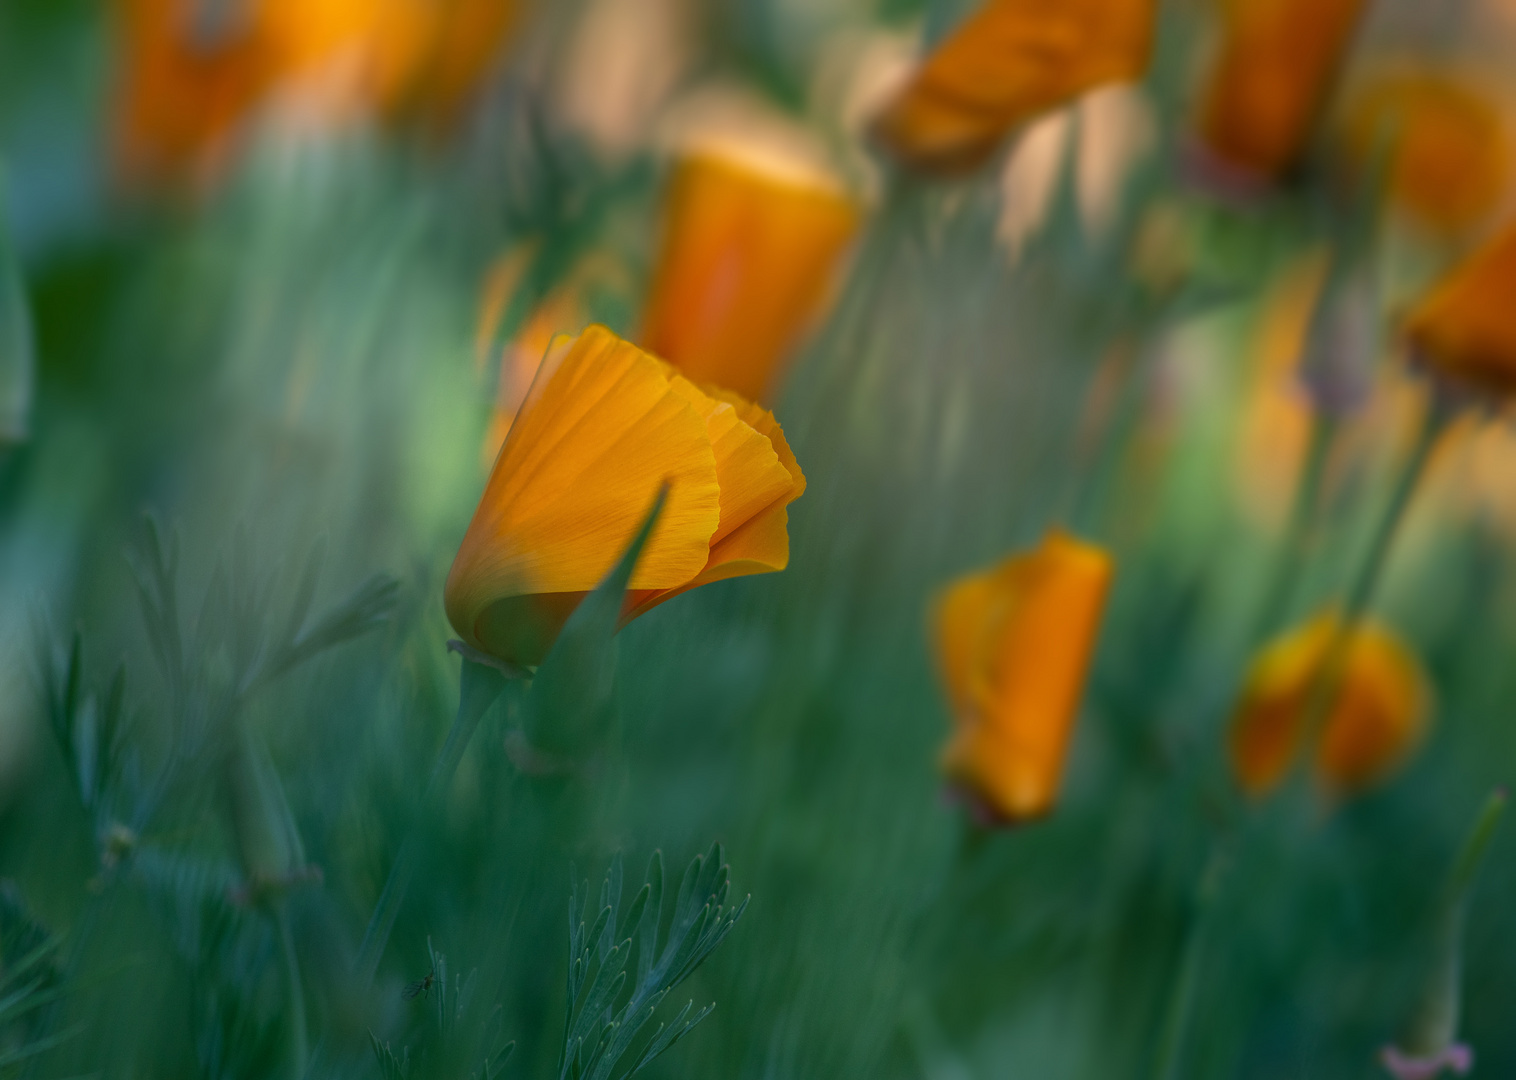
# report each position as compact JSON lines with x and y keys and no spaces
{"x":1274,"y":68}
{"x":604,"y":426}
{"x":1443,"y":139}
{"x":1014,"y":644}
{"x":1464,"y":330}
{"x":1005,"y":64}
{"x":750,"y":249}
{"x":1376,"y":715}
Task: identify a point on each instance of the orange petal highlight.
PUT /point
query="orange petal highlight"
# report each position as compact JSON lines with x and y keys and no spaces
{"x":1014,"y":646}
{"x":604,"y":426}
{"x":750,"y":249}
{"x":1465,"y":329}
{"x":1008,"y":62}
{"x":1448,"y":151}
{"x":1274,"y":70}
{"x":1378,"y":715}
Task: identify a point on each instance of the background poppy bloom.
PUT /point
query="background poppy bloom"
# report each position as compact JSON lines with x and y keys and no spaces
{"x":1465,"y":328}
{"x":1008,"y":62}
{"x":750,"y":247}
{"x":1275,"y":66}
{"x":1014,"y":644}
{"x":1377,"y":714}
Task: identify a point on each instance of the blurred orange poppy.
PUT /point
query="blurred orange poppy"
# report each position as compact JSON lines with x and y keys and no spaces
{"x":1008,"y":62}
{"x":1464,"y":330}
{"x":186,"y":88}
{"x":1014,"y":644}
{"x":1445,"y":141}
{"x":183,"y":93}
{"x":1377,"y":716}
{"x":750,"y":249}
{"x":1276,"y":64}
{"x":605,"y":425}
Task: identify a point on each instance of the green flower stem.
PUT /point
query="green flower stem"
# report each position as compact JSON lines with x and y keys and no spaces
{"x":1300,"y":529}
{"x":1440,"y":411}
{"x":480,"y":684}
{"x":1169,"y":1062}
{"x":300,"y":1043}
{"x":1435,"y":1024}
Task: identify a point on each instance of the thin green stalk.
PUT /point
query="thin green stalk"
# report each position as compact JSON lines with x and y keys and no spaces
{"x":1301,"y":527}
{"x":1090,"y":485}
{"x":1180,"y":1007}
{"x":479,"y":685}
{"x":1360,"y":594}
{"x":300,"y":1045}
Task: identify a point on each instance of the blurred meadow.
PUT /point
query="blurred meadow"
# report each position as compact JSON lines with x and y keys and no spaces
{"x":1014,"y":496}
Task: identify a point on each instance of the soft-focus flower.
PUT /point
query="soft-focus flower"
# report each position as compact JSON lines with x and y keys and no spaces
{"x":418,"y":57}
{"x":1444,"y":142}
{"x":1376,"y":717}
{"x":1014,"y":644}
{"x":1465,"y":328}
{"x":750,"y":249}
{"x":184,"y":89}
{"x":1008,"y":62}
{"x":190,"y":79}
{"x":1275,"y":66}
{"x":604,"y":427}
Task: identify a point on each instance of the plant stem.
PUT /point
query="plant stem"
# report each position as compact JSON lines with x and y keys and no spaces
{"x":299,"y":1035}
{"x":1439,"y":413}
{"x":479,"y":685}
{"x":1300,"y":528}
{"x":1180,"y":1006}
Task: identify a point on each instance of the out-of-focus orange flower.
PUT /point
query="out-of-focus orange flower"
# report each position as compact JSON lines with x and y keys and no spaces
{"x":183,"y":92}
{"x":1014,"y":644}
{"x":1276,"y":64}
{"x":186,"y":89}
{"x":750,"y":250}
{"x":421,"y":57}
{"x":342,"y":57}
{"x":604,"y":426}
{"x":1465,"y":328}
{"x":1377,"y":715}
{"x":1008,"y":62}
{"x":1445,"y":142}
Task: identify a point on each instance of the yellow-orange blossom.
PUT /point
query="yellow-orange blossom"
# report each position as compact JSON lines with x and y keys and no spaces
{"x":1014,"y":644}
{"x":1465,"y":329}
{"x":1375,"y":717}
{"x":604,"y":427}
{"x":1275,"y":66}
{"x":1008,"y":62}
{"x":749,"y":250}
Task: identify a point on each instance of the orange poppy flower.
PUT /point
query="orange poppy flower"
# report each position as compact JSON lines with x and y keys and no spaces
{"x":1378,"y":715}
{"x":1276,"y":64}
{"x":1449,"y":158}
{"x":186,"y":89}
{"x":604,"y":426}
{"x":1014,"y":645}
{"x":183,"y":93}
{"x":750,"y":249}
{"x":1465,"y":328}
{"x":1008,"y":62}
